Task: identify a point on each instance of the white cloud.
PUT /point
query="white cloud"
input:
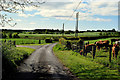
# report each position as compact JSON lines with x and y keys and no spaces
{"x":103,"y":8}
{"x":30,"y":8}
{"x":78,"y":0}
{"x":32,"y":23}
{"x":53,"y":13}
{"x":64,"y":10}
{"x":18,"y":20}
{"x":25,"y":15}
{"x":89,"y":18}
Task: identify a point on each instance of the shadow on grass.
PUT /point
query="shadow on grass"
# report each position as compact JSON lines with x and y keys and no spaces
{"x":97,"y":74}
{"x":101,"y":56}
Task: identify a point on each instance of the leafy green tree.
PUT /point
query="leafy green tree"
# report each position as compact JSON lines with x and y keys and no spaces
{"x":100,"y":33}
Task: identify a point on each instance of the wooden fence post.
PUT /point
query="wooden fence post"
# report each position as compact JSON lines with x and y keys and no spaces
{"x":84,"y":50}
{"x":110,"y":53}
{"x":39,"y":41}
{"x":93,"y":51}
{"x":119,"y":65}
{"x":14,"y":43}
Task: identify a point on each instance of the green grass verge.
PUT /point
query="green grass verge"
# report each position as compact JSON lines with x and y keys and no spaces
{"x":12,"y":57}
{"x":15,"y":55}
{"x":83,"y":67}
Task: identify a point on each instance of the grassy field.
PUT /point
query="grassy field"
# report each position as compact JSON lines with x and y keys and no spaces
{"x":24,"y":41}
{"x":34,"y":41}
{"x":93,"y":41}
{"x":35,"y":44}
{"x":84,"y":67}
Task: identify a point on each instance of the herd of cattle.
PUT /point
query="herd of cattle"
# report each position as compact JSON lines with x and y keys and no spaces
{"x":106,"y":44}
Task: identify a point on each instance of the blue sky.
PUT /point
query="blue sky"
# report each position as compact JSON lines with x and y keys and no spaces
{"x":93,"y":15}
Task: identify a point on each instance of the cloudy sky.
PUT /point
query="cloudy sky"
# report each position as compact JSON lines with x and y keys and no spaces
{"x":93,"y":15}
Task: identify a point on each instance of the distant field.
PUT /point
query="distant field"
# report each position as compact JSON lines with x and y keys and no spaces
{"x":24,"y":41}
{"x":35,"y":44}
{"x":38,"y":35}
{"x":80,"y":34}
{"x":34,"y":41}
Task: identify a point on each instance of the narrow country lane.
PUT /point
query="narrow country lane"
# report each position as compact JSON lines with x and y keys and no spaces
{"x":42,"y":65}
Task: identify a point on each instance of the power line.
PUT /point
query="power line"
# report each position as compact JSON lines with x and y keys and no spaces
{"x":74,"y":11}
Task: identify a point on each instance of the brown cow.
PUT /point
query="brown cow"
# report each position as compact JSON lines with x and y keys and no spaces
{"x":88,"y":48}
{"x":115,"y":50}
{"x":101,"y":44}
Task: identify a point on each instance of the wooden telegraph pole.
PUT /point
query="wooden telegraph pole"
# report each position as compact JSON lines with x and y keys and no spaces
{"x":63,"y":30}
{"x":76,"y":32}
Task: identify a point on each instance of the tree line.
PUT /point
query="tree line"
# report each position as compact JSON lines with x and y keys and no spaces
{"x":15,"y":33}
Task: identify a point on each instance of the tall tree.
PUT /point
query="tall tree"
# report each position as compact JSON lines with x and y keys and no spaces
{"x":14,"y":6}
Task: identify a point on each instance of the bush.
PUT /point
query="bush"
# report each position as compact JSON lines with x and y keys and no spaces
{"x":29,"y":32}
{"x":34,"y":33}
{"x":78,"y":43}
{"x":26,"y":37}
{"x":62,"y":41}
{"x":15,"y":35}
{"x":71,"y":40}
{"x":100,"y":33}
{"x":11,"y":59}
{"x":48,"y":40}
{"x":6,"y":60}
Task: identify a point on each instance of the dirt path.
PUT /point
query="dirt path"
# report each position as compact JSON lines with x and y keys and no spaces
{"x":42,"y":65}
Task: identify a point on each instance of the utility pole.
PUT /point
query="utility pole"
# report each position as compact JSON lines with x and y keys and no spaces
{"x":63,"y":30}
{"x":76,"y":31}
